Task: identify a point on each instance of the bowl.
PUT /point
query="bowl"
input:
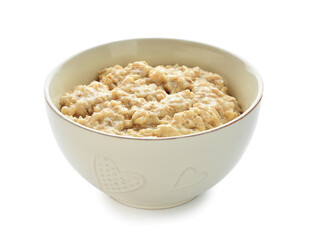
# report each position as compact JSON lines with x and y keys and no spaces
{"x":154,"y":173}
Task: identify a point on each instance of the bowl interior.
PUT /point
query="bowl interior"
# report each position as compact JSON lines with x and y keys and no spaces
{"x":242,"y":81}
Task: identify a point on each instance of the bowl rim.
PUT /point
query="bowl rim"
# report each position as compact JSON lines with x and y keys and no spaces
{"x":243,"y":115}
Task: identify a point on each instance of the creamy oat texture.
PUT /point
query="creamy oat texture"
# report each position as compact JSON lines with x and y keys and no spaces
{"x":143,"y":101}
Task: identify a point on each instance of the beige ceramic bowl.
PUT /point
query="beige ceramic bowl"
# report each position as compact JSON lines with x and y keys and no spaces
{"x":163,"y":172}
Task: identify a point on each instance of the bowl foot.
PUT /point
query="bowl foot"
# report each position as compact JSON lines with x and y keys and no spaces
{"x":154,"y":207}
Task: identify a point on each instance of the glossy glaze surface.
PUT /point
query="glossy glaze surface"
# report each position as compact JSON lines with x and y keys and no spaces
{"x":155,"y":173}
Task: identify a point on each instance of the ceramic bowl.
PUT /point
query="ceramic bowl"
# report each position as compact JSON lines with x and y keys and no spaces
{"x":163,"y":172}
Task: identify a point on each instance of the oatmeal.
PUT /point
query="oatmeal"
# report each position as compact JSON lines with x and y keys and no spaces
{"x":143,"y":101}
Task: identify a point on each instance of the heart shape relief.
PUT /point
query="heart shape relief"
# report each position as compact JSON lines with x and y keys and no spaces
{"x":111,"y":179}
{"x":189,"y":177}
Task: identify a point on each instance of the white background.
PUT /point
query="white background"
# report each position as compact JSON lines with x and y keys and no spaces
{"x":276,"y":190}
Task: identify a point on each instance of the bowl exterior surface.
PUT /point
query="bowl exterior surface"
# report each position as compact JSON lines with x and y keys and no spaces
{"x":153,"y":173}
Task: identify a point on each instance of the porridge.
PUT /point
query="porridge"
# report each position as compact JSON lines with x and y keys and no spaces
{"x":143,"y":101}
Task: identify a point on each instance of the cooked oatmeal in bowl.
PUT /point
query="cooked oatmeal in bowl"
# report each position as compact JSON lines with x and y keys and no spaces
{"x":150,"y":133}
{"x":144,"y":101}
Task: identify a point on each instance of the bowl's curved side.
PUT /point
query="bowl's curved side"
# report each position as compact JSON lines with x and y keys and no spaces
{"x":153,"y":174}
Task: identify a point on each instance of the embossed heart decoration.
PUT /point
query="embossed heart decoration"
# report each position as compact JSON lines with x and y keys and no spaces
{"x":111,"y":179}
{"x":189,"y":177}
